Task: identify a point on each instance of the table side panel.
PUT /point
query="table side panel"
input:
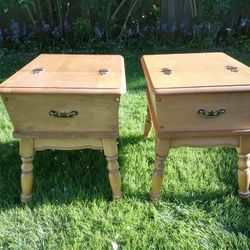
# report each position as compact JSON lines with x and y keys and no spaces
{"x":178,"y":113}
{"x":67,"y":143}
{"x":30,"y":113}
{"x":152,"y":110}
{"x":204,"y":142}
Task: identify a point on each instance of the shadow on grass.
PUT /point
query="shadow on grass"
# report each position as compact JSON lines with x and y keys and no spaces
{"x":131,"y":140}
{"x":68,"y":176}
{"x":9,"y":170}
{"x":226,"y":173}
{"x":59,"y":176}
{"x":225,"y":208}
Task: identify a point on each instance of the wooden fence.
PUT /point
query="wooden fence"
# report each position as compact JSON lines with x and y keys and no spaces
{"x":173,"y":13}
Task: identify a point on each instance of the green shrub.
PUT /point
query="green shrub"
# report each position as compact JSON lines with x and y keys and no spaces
{"x":90,"y":23}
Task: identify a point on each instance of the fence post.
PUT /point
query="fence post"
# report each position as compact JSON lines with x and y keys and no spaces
{"x":168,"y":14}
{"x":176,"y":12}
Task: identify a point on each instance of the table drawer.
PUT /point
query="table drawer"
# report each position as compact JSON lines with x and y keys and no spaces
{"x":63,"y":113}
{"x":202,"y":112}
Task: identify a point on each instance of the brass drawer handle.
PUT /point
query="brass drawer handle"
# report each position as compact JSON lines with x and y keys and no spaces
{"x":211,"y":113}
{"x":63,"y":114}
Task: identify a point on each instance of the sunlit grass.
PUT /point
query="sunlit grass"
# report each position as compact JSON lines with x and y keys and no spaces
{"x":72,"y":206}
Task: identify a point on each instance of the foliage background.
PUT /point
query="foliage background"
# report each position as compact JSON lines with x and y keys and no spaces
{"x":88,"y":24}
{"x":71,"y":207}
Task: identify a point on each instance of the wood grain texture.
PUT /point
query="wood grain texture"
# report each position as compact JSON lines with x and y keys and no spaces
{"x":199,"y":81}
{"x":69,"y":74}
{"x":184,"y":117}
{"x":27,"y":156}
{"x":148,"y":124}
{"x":29,"y":113}
{"x":194,"y":72}
{"x":62,"y":134}
{"x":205,"y":142}
{"x":63,"y":102}
{"x":162,"y":148}
{"x":185,"y":122}
{"x":67,"y":143}
{"x":111,"y":154}
{"x":244,"y":167}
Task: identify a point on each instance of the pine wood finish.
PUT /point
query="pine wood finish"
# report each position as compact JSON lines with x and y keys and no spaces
{"x":75,"y":74}
{"x":96,"y":113}
{"x":66,"y":102}
{"x":27,"y":156}
{"x":195,"y":72}
{"x":198,"y":100}
{"x":148,"y":124}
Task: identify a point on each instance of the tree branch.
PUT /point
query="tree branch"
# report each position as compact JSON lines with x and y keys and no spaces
{"x":125,"y":23}
{"x":117,"y":9}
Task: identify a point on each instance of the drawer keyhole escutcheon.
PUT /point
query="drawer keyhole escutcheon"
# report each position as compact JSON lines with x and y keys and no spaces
{"x":63,"y":114}
{"x":211,"y":113}
{"x":103,"y":72}
{"x":37,"y":70}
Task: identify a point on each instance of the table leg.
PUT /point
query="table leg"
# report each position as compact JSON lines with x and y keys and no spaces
{"x":27,"y":156}
{"x":148,"y":124}
{"x":111,"y":154}
{"x":244,"y":167}
{"x":162,"y":148}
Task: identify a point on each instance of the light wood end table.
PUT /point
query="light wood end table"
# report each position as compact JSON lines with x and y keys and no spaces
{"x":198,"y":100}
{"x":66,"y":102}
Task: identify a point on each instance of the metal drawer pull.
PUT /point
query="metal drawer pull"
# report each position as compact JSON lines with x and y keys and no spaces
{"x":37,"y":70}
{"x":63,"y":114}
{"x":211,"y":113}
{"x":232,"y":68}
{"x":103,"y":72}
{"x":166,"y":71}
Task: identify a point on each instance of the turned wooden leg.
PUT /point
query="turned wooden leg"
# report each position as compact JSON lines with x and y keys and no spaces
{"x":27,"y":156}
{"x":162,"y":148}
{"x":244,"y":167}
{"x":148,"y":124}
{"x":111,"y":153}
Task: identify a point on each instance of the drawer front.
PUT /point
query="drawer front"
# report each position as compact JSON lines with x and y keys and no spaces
{"x":203,"y":112}
{"x":63,"y":113}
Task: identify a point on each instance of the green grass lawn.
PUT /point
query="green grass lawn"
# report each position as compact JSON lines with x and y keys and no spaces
{"x":72,"y":207}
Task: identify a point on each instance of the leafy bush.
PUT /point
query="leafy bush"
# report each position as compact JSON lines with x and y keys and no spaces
{"x":86,"y":23}
{"x":223,"y":20}
{"x":5,"y":5}
{"x":82,"y":20}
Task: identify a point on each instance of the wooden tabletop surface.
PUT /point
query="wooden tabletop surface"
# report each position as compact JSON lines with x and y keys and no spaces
{"x":60,"y":73}
{"x":195,"y":72}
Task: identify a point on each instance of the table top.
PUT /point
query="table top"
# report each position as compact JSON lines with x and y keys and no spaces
{"x":195,"y":72}
{"x":67,"y":73}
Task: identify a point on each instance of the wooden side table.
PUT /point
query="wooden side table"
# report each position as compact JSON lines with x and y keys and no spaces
{"x":198,"y":100}
{"x":66,"y":102}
